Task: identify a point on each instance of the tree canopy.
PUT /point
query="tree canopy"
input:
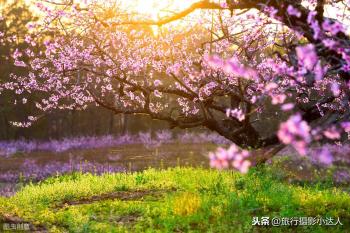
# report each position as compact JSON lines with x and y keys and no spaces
{"x":226,"y":72}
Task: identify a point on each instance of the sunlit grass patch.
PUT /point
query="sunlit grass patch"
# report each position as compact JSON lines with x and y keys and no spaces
{"x":189,"y":200}
{"x":186,"y":204}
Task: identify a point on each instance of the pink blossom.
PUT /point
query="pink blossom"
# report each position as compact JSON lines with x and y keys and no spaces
{"x":20,"y":64}
{"x":307,"y":56}
{"x":233,"y":66}
{"x":157,"y":83}
{"x":220,"y":159}
{"x":16,"y":54}
{"x":332,"y":133}
{"x":325,"y":157}
{"x":319,"y":71}
{"x":346,"y":126}
{"x":333,"y":28}
{"x":311,"y":19}
{"x":32,"y":118}
{"x":295,"y":132}
{"x":242,"y":166}
{"x":278,"y":99}
{"x":271,"y":86}
{"x":335,"y":89}
{"x":272,"y":11}
{"x":329,"y":43}
{"x":109,"y":87}
{"x":224,"y":5}
{"x":214,"y":61}
{"x":293,"y":11}
{"x":236,"y":113}
{"x":233,"y":156}
{"x":287,"y":107}
{"x":157,"y":93}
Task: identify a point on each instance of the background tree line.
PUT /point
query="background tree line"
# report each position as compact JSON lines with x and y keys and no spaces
{"x":57,"y":124}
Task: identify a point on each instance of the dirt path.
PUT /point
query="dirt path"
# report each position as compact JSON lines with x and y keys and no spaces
{"x":121,"y":195}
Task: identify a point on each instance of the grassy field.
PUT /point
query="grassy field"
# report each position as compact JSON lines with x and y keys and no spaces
{"x":174,"y":200}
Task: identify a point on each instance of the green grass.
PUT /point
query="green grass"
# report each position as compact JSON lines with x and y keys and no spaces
{"x":188,"y":200}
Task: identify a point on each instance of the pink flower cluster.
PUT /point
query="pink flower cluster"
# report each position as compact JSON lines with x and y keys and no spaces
{"x":295,"y":132}
{"x":293,"y":11}
{"x":307,"y":56}
{"x":236,"y":113}
{"x":234,"y":156}
{"x":325,"y":157}
{"x":231,"y":66}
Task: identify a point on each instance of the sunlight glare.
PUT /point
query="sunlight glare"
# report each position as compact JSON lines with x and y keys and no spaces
{"x":156,"y":9}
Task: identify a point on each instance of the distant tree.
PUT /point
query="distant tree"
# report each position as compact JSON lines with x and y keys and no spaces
{"x":15,"y":15}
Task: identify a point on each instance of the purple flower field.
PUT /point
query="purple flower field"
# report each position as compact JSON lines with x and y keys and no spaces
{"x":148,"y":139}
{"x":30,"y":170}
{"x":32,"y":161}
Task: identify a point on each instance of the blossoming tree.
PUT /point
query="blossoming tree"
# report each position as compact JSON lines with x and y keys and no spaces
{"x":222,"y":72}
